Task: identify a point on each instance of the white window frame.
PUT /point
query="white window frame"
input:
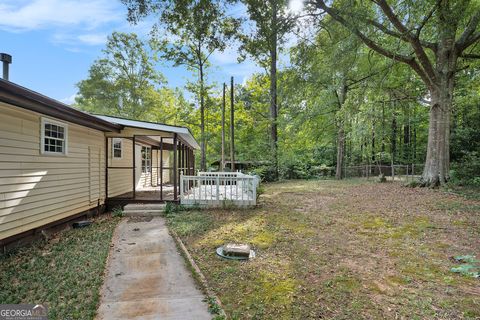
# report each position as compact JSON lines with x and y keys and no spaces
{"x":42,"y":137}
{"x":116,"y":140}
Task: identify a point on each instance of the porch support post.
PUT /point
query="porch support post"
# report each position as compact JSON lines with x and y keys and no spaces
{"x":133,"y":170}
{"x":193,"y":163}
{"x":189,"y":166}
{"x":175,"y":168}
{"x":190,"y":161}
{"x":183,"y":159}
{"x":106,"y":169}
{"x":151,"y":167}
{"x":179,"y":150}
{"x":161,"y":168}
{"x":187,"y":159}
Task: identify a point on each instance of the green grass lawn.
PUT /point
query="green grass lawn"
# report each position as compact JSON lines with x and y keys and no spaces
{"x":66,"y":273}
{"x":341,"y":250}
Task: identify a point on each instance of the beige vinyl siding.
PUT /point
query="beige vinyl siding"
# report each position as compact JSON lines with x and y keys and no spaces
{"x":166,"y":164}
{"x":155,"y":167}
{"x":120,"y":180}
{"x":39,"y":189}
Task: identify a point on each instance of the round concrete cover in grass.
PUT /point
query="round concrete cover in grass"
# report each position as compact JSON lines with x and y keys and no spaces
{"x":221,"y":254}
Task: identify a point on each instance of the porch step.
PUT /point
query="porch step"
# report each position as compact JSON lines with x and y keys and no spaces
{"x":139,"y":210}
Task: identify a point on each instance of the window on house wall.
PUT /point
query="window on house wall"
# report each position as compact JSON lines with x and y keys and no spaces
{"x":117,"y":145}
{"x":54,"y":137}
{"x":146,"y":159}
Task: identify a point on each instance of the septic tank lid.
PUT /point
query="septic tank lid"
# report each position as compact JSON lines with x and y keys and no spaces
{"x":236,"y":252}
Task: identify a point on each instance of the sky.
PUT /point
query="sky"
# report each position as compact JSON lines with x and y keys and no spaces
{"x":54,"y":42}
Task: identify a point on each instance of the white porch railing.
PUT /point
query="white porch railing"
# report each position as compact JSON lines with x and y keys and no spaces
{"x":218,"y":189}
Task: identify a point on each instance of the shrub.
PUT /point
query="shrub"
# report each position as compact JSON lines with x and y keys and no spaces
{"x":117,"y":212}
{"x":171,"y":208}
{"x":467,"y":170}
{"x":266,"y":173}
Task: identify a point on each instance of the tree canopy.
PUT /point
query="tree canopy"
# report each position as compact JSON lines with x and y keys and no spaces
{"x":358,"y":83}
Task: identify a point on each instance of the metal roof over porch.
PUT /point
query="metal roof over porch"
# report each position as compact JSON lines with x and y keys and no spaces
{"x":183,"y":132}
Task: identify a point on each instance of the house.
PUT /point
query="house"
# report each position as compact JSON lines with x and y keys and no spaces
{"x":58,"y":163}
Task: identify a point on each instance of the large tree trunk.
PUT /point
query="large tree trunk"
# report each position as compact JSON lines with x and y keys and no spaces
{"x":203,"y":161}
{"x":273,"y":92}
{"x":437,"y":162}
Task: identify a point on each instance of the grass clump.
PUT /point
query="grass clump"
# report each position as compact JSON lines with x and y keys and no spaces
{"x":188,"y":223}
{"x":65,"y":273}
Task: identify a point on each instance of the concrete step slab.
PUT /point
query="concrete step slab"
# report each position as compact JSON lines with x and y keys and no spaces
{"x":136,"y":206}
{"x":144,"y":213}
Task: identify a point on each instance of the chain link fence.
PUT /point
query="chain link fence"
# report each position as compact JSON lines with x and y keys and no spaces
{"x":406,"y":172}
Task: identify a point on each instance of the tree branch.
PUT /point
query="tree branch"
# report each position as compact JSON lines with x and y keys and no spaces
{"x":414,"y":41}
{"x":470,"y":56}
{"x":374,"y":46}
{"x":468,"y":37}
{"x":426,"y":18}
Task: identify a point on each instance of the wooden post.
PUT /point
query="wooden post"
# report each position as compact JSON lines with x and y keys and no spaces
{"x":187,"y":162}
{"x":161,"y":168}
{"x":175,"y":191}
{"x":232,"y":125}
{"x":106,"y":169}
{"x":134,"y":165}
{"x":179,"y":159}
{"x":151,"y":166}
{"x":193,"y":162}
{"x":222,"y":163}
{"x":183,"y":158}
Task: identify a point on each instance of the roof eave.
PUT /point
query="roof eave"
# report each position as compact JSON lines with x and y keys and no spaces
{"x":22,"y":97}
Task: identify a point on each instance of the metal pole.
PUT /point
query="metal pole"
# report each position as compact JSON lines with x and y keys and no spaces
{"x":6,"y":59}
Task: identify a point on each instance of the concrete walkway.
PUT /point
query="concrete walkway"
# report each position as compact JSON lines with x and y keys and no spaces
{"x":147,"y":278}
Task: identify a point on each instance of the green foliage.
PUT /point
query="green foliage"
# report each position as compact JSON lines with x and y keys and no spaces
{"x":260,"y":190}
{"x":172,"y":208}
{"x":467,"y":170}
{"x":124,"y":82}
{"x":213,"y":306}
{"x":191,"y":222}
{"x":470,"y":266}
{"x":117,"y":212}
{"x":266,"y":173}
{"x":66,"y":273}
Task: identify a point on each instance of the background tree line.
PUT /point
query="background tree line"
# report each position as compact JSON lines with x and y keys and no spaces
{"x":370,"y":82}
